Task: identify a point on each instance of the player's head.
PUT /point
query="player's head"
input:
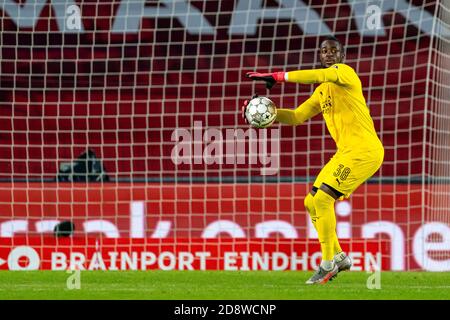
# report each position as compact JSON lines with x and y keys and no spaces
{"x":331,"y":51}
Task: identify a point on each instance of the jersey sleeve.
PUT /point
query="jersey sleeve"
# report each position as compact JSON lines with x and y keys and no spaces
{"x":346,"y":76}
{"x":303,"y":112}
{"x":339,"y":73}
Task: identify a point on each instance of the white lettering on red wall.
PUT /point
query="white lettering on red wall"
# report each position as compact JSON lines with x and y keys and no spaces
{"x":225,"y":211}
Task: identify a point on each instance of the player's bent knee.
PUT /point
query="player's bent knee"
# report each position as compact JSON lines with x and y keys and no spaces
{"x":323,"y":201}
{"x":309,"y":204}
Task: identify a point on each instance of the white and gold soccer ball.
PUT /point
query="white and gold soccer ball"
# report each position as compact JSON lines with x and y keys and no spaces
{"x":261,"y":112}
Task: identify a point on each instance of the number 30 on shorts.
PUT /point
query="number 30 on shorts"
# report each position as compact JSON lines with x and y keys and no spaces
{"x":342,"y":172}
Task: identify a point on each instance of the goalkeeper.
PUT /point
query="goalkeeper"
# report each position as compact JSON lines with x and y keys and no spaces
{"x":359,"y":153}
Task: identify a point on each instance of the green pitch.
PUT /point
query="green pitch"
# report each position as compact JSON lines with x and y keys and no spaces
{"x":213,"y":285}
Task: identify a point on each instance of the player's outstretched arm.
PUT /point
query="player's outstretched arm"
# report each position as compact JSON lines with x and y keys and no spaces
{"x":313,"y":76}
{"x":338,"y":73}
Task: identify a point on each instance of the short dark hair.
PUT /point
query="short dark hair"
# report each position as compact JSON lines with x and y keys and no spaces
{"x":330,"y":37}
{"x":333,"y":38}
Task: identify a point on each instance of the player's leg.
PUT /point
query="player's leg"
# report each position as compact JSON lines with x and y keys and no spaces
{"x":320,"y":206}
{"x":326,"y":225}
{"x":309,"y":206}
{"x":342,"y":261}
{"x":349,"y":178}
{"x":346,"y":175}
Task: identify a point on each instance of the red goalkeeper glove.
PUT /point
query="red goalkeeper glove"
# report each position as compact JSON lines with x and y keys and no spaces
{"x":269,"y":78}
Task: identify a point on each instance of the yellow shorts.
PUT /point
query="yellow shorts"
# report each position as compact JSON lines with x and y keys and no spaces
{"x":347,"y":171}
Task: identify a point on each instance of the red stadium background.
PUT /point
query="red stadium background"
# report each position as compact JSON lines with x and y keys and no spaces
{"x":231,"y":212}
{"x":117,"y":85}
{"x":123,"y":93}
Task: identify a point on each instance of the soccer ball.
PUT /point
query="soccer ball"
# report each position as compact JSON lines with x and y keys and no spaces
{"x":261,"y":112}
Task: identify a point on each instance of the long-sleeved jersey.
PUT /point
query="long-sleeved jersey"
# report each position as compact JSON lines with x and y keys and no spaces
{"x":340,"y":99}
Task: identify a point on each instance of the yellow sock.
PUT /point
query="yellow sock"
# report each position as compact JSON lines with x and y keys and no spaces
{"x":336,"y":247}
{"x":325,"y":223}
{"x":309,"y":206}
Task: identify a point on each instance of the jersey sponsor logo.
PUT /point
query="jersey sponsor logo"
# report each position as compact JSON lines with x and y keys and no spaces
{"x":326,"y":105}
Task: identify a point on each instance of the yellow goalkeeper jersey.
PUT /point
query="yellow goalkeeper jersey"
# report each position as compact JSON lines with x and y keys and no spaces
{"x":340,"y":99}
